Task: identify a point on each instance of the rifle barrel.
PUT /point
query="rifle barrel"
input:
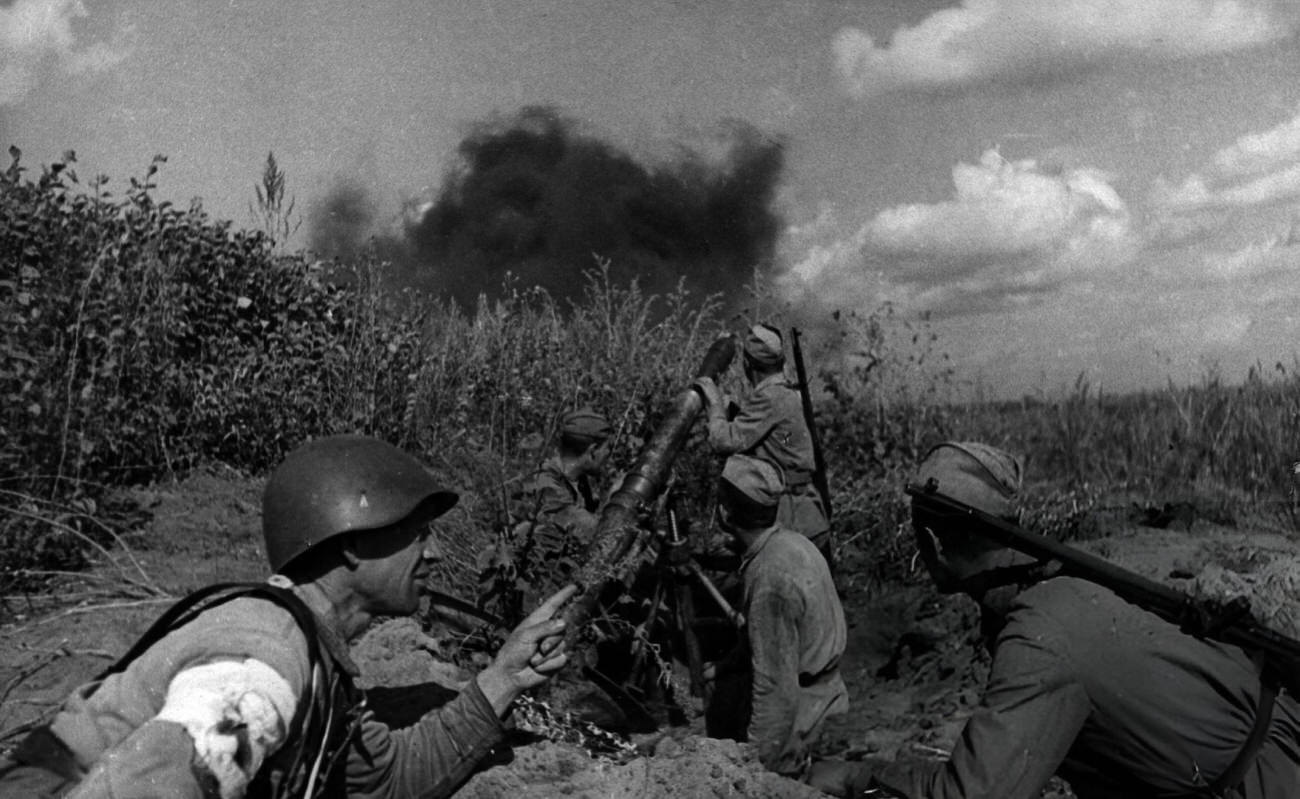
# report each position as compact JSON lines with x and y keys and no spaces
{"x":1169,"y":603}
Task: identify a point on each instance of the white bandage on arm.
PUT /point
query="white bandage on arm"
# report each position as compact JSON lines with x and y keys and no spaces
{"x":236,"y":712}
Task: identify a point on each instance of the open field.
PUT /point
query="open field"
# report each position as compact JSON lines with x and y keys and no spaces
{"x":154,"y":364}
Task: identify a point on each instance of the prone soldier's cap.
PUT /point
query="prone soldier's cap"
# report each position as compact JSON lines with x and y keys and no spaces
{"x":764,"y":346}
{"x":982,"y":476}
{"x":584,"y":426}
{"x":758,"y":481}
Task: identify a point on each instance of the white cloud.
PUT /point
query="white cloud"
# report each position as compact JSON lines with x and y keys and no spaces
{"x":1261,"y":152}
{"x":1003,"y":208}
{"x":1196,"y":193}
{"x":1277,"y":257}
{"x":1258,"y":169}
{"x":984,"y":40}
{"x":34,"y":31}
{"x":1011,"y":233}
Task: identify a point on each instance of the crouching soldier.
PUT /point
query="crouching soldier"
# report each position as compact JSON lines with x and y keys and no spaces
{"x":1110,"y":696}
{"x":784,"y":681}
{"x":248,"y":690}
{"x":559,"y":496}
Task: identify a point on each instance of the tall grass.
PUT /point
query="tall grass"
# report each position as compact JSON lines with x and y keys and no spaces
{"x":1242,"y":437}
{"x":140,"y":339}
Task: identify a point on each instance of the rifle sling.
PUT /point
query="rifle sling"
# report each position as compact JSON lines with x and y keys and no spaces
{"x":1024,"y":574}
{"x":1236,"y":772}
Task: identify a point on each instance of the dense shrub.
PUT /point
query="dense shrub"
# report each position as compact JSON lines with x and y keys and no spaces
{"x":140,"y":339}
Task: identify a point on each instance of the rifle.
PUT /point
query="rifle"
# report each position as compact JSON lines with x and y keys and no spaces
{"x":819,"y":459}
{"x":1228,"y":622}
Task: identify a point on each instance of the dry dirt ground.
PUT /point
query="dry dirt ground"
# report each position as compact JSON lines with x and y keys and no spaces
{"x":913,"y":667}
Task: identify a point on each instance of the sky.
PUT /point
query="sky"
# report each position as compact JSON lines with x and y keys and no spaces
{"x":1099,"y":187}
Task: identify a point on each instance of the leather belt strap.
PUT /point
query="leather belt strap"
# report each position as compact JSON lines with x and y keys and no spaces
{"x":797,"y":479}
{"x":806,"y":679}
{"x":44,"y":750}
{"x":1236,"y":771}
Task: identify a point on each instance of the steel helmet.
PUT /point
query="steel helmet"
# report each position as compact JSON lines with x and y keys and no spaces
{"x":342,"y":484}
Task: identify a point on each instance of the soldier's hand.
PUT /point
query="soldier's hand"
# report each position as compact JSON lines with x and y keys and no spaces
{"x":709,"y":390}
{"x":530,"y":656}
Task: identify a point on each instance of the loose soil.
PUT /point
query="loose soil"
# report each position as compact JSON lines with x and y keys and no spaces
{"x":914,"y":667}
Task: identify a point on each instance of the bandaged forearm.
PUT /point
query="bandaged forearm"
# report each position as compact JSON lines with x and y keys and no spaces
{"x":236,"y":712}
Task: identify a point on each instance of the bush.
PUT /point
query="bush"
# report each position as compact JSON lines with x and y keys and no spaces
{"x":141,"y":339}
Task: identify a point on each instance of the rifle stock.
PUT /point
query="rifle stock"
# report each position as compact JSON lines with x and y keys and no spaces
{"x":617,"y":530}
{"x":1197,"y":617}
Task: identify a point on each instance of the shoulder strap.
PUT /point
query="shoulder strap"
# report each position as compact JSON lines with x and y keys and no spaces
{"x":188,"y":608}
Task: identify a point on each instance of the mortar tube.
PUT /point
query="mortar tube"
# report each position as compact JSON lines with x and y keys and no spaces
{"x":617,"y":530}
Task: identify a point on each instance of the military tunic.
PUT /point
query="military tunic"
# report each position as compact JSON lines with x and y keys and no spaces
{"x":796,"y":634}
{"x":113,"y":732}
{"x":567,"y":507}
{"x":769,"y":424}
{"x":1115,"y":699}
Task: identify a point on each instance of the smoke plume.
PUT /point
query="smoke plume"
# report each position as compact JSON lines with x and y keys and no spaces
{"x":339,"y":224}
{"x":534,"y":196}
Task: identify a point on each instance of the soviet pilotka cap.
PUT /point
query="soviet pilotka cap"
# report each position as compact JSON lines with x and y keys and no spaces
{"x":751,"y":488}
{"x":763,"y":346}
{"x":982,"y":476}
{"x":584,"y":426}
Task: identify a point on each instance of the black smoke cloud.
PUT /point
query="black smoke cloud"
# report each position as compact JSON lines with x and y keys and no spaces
{"x":535,"y":196}
{"x":339,"y":224}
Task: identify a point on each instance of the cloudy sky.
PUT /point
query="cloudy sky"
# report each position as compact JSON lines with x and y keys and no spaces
{"x":1099,"y":186}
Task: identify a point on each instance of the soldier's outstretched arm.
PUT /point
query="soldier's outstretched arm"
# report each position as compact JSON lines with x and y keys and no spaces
{"x":530,"y":656}
{"x":431,"y":758}
{"x":1030,"y":714}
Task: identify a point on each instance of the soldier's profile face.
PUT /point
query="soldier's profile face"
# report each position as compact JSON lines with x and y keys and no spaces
{"x":395,"y":564}
{"x":724,"y":519}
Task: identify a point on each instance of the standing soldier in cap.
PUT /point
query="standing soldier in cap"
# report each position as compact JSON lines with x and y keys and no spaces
{"x":769,"y":424}
{"x":560,"y":494}
{"x":1118,"y":701}
{"x":784,"y":680}
{"x":248,"y":690}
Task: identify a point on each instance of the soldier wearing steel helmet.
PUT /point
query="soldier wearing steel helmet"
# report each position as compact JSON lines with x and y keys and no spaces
{"x":248,"y":690}
{"x":768,"y":423}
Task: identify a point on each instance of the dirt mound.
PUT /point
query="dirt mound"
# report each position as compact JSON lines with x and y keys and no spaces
{"x":672,"y":767}
{"x":205,"y":529}
{"x":914,"y":667}
{"x":1273,"y":591}
{"x":405,"y":680}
